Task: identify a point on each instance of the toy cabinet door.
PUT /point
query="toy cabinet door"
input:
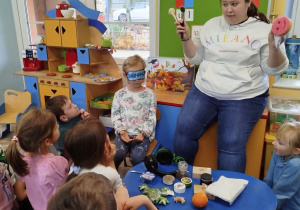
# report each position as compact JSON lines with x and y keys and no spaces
{"x":78,"y":96}
{"x":42,"y":52}
{"x":68,"y":33}
{"x":53,"y":33}
{"x":31,"y":84}
{"x":83,"y":55}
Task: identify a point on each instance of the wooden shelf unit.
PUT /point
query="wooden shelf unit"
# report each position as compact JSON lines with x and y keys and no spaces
{"x":69,"y":33}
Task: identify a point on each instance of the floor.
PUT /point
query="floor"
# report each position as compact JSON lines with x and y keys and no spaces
{"x":4,"y":142}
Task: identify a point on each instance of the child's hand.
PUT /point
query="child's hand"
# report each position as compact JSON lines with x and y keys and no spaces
{"x":125,"y":137}
{"x":84,"y":114}
{"x":139,"y":137}
{"x":137,"y":201}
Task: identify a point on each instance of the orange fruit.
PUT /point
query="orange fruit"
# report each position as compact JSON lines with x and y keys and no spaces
{"x":199,"y":199}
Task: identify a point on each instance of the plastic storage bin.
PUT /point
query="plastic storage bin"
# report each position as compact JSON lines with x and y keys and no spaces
{"x":103,"y":101}
{"x":283,"y":109}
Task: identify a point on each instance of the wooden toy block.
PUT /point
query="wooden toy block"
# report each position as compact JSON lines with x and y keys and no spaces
{"x":197,"y":171}
{"x":202,"y":188}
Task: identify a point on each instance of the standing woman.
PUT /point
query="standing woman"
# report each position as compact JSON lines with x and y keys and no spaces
{"x":236,"y":53}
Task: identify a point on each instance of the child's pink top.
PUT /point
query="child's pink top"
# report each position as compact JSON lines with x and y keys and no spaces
{"x":46,"y":173}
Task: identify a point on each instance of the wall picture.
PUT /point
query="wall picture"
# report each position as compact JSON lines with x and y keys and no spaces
{"x":169,"y":74}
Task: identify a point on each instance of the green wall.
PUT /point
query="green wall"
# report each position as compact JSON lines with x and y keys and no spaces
{"x":169,"y":41}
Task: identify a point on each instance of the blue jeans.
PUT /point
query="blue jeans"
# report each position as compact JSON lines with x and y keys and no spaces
{"x":137,"y":150}
{"x":236,"y":119}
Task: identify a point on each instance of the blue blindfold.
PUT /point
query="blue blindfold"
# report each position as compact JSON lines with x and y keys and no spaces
{"x":135,"y":75}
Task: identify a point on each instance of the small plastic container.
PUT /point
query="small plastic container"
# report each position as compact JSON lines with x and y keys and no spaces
{"x":187,"y":181}
{"x":147,"y":177}
{"x":182,"y":166}
{"x":179,"y":187}
{"x":206,"y":179}
{"x":168,"y":179}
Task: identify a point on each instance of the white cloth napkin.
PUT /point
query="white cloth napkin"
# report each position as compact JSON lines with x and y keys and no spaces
{"x":228,"y":189}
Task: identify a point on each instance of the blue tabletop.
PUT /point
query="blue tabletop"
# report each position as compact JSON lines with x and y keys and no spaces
{"x":256,"y":195}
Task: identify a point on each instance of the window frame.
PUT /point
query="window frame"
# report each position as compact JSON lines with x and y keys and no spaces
{"x":23,"y":37}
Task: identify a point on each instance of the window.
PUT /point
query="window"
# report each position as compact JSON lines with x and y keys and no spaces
{"x":128,"y":23}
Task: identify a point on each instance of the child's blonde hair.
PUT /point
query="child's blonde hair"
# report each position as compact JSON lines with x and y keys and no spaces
{"x":32,"y":129}
{"x":132,"y":61}
{"x":290,"y":132}
{"x":85,"y":143}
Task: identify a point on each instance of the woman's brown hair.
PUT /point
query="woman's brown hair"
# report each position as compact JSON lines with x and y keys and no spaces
{"x":253,"y":12}
{"x":32,"y":129}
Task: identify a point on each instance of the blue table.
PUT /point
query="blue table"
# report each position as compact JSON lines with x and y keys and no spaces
{"x":257,"y":195}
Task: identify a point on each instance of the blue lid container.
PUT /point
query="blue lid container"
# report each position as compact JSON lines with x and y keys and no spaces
{"x":293,"y":52}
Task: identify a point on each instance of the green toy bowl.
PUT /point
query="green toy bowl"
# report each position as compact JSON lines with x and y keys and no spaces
{"x":62,"y":67}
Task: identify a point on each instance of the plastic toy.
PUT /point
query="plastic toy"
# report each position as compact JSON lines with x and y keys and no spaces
{"x":281,"y":26}
{"x":157,"y":196}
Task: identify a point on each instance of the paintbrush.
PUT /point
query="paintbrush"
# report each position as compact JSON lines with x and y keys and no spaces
{"x":172,"y":12}
{"x":182,"y":9}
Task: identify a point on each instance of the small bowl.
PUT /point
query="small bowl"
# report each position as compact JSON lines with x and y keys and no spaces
{"x":67,"y":13}
{"x":62,"y":67}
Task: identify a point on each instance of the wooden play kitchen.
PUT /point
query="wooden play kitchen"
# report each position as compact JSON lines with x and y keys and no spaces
{"x":66,"y":39}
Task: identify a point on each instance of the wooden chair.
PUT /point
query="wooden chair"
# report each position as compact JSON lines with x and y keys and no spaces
{"x":154,"y":143}
{"x":15,"y":103}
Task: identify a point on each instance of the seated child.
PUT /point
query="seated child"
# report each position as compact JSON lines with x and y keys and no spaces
{"x":7,"y":196}
{"x":133,"y":113}
{"x":38,"y":169}
{"x":13,"y":193}
{"x":67,"y":115}
{"x":90,"y":150}
{"x":284,"y":171}
{"x":82,"y":192}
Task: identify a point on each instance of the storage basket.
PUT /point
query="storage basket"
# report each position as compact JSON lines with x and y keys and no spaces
{"x":103,"y":101}
{"x":283,"y":109}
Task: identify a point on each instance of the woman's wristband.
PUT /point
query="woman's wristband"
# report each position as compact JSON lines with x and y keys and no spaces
{"x":183,"y":40}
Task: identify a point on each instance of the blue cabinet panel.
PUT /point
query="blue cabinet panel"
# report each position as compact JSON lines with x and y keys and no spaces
{"x":78,"y":94}
{"x":165,"y":127}
{"x":83,"y":55}
{"x":42,"y":52}
{"x":31,"y":84}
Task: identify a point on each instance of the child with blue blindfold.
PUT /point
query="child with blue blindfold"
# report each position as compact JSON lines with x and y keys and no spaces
{"x":133,"y":113}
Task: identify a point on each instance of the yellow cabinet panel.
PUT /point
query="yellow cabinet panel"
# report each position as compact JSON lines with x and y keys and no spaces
{"x":68,"y":33}
{"x":52,"y":30}
{"x":51,"y":87}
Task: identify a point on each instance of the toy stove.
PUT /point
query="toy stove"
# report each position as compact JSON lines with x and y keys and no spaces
{"x":30,"y":61}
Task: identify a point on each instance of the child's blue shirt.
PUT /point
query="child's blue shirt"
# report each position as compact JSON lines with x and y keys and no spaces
{"x":284,"y":178}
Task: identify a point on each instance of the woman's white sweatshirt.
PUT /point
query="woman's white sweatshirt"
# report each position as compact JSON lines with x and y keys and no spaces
{"x":233,"y":59}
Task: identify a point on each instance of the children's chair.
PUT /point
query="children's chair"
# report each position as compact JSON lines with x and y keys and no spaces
{"x":15,"y":103}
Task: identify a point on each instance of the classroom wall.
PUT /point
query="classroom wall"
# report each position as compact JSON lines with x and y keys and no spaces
{"x":9,"y":54}
{"x":169,"y":42}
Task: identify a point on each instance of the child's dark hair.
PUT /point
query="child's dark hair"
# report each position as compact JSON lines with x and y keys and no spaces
{"x":55,"y":104}
{"x":88,"y":191}
{"x":84,"y":144}
{"x":253,"y":12}
{"x":132,"y":61}
{"x":33,"y":128}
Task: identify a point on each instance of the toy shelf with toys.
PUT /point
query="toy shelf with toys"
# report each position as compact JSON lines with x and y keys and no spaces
{"x":72,"y":52}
